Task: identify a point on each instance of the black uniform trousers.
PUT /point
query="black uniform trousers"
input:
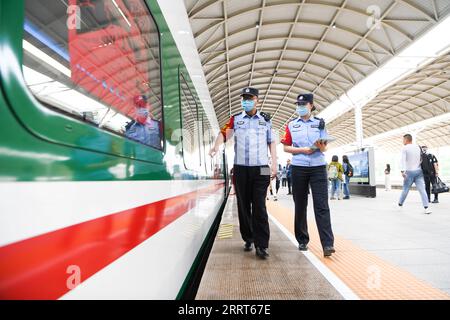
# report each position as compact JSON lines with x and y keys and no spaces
{"x":429,"y":180}
{"x":316,"y":177}
{"x":251,"y":185}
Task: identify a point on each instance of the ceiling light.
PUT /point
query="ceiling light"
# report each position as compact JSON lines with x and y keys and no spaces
{"x":45,"y":58}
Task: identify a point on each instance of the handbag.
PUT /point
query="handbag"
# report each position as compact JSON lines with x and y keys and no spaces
{"x":439,"y":186}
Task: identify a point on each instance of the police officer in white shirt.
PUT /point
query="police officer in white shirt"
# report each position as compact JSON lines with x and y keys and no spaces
{"x":252,"y":138}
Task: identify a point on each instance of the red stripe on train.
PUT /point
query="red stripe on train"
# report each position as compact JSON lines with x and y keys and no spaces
{"x":36,"y":268}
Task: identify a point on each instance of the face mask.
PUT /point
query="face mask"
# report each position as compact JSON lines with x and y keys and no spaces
{"x":302,"y":110}
{"x":142,"y":115}
{"x":248,"y":105}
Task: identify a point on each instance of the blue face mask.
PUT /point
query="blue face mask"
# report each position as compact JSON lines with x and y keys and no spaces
{"x":142,"y":112}
{"x":302,"y":110}
{"x":248,"y":105}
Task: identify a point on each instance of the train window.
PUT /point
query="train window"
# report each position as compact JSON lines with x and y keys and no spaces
{"x":190,"y":125}
{"x":98,"y":61}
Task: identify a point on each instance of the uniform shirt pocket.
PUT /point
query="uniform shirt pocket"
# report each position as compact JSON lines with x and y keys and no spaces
{"x":241,"y":127}
{"x":314,"y":134}
{"x":299,"y":137}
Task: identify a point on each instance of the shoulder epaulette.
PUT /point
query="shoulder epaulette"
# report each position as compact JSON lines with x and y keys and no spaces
{"x":266,"y":116}
{"x":129,"y":124}
{"x":321,"y":123}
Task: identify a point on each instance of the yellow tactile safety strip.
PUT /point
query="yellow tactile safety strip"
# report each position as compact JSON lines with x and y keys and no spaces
{"x":369,"y":276}
{"x":225,"y":231}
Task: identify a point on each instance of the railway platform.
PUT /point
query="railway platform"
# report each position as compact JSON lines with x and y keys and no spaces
{"x":382,"y":252}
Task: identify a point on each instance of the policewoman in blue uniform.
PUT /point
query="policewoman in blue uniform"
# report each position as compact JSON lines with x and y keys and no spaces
{"x":144,"y":128}
{"x":253,"y":138}
{"x":302,"y":140}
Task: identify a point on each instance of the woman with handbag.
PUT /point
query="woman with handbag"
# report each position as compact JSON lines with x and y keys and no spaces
{"x":348,"y":173}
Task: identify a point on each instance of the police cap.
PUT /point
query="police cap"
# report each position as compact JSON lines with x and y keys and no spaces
{"x":304,"y":98}
{"x":140,"y":101}
{"x":249,"y":91}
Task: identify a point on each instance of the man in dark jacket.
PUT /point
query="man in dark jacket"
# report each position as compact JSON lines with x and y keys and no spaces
{"x":430,"y":177}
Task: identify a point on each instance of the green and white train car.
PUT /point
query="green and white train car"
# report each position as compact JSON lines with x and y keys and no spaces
{"x":86,"y":212}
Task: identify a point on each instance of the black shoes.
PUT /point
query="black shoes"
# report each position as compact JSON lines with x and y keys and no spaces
{"x":302,"y":247}
{"x":346,"y":198}
{"x":327,"y":251}
{"x":435,"y":201}
{"x":248,"y":246}
{"x":261,"y":253}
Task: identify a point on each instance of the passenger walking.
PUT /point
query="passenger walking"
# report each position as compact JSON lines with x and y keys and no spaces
{"x":412,"y":172}
{"x":283,"y":177}
{"x":309,"y":169}
{"x":277,"y":182}
{"x":430,"y":173}
{"x":387,"y":177}
{"x":232,"y":188}
{"x":289,"y":175}
{"x":252,"y":131}
{"x":348,"y":173}
{"x":274,"y":185}
{"x":335,"y":172}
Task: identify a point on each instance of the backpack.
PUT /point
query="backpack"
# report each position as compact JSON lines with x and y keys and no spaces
{"x":332,"y":172}
{"x":349,"y":170}
{"x":425,"y":164}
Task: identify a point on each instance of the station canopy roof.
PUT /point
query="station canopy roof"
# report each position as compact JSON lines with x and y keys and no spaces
{"x":421,"y":96}
{"x":286,"y":47}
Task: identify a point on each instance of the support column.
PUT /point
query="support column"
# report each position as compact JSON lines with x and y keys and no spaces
{"x":359,"y":127}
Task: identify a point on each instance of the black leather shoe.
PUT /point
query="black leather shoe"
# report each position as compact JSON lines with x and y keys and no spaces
{"x":248,"y":246}
{"x":327,"y":251}
{"x":435,"y":201}
{"x":261,"y":253}
{"x":302,"y":247}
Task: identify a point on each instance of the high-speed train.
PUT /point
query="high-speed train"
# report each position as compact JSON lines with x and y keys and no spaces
{"x":88,"y":211}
